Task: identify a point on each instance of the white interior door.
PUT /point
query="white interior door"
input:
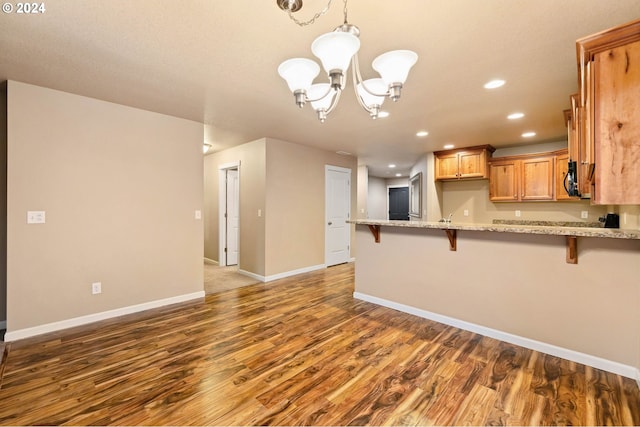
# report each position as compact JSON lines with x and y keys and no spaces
{"x":337,"y":209}
{"x":232,"y":217}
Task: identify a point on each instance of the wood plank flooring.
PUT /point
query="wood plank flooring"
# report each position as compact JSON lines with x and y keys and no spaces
{"x":299,"y":351}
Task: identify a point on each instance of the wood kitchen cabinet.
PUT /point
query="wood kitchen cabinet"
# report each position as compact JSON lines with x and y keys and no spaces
{"x":562,"y":168}
{"x":463,"y":163}
{"x":522,"y":178}
{"x":609,"y":78}
{"x":579,"y":150}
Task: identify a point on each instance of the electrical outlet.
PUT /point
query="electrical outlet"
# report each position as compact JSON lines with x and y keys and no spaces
{"x":259,"y":212}
{"x":96,"y":288}
{"x":36,"y":217}
{"x":465,"y":212}
{"x":584,"y":214}
{"x":198,"y":214}
{"x":518,"y":213}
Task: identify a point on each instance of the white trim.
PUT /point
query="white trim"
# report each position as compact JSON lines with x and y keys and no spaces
{"x":585,"y":359}
{"x":282,"y":275}
{"x":3,"y":324}
{"x":638,"y":377}
{"x":210,"y":261}
{"x":95,"y":317}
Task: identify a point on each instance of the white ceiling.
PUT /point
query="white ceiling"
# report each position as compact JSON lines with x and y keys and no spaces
{"x":215,"y":62}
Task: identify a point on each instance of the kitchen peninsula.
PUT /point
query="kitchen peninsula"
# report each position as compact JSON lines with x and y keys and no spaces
{"x":512,"y":282}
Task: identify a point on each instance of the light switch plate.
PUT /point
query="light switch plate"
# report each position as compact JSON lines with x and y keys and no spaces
{"x":198,"y":214}
{"x":35,"y":217}
{"x":584,"y":214}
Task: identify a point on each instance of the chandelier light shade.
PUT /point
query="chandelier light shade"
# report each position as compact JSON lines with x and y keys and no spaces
{"x":394,"y":66}
{"x":299,"y":73}
{"x":336,"y":51}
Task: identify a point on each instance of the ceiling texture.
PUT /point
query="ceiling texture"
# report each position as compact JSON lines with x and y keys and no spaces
{"x":215,"y":62}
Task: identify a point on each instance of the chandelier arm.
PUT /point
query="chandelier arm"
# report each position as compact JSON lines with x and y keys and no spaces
{"x":356,"y":74}
{"x":334,"y":102}
{"x":354,"y":67}
{"x":306,"y":98}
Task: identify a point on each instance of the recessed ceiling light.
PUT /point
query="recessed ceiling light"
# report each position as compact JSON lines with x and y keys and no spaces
{"x":448,"y":146}
{"x":383,"y":114}
{"x":494,"y":84}
{"x":528,"y":134}
{"x":392,"y":165}
{"x":515,"y":116}
{"x":398,"y":174}
{"x":422,"y":133}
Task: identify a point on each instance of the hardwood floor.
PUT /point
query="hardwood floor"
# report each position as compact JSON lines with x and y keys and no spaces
{"x":299,"y":351}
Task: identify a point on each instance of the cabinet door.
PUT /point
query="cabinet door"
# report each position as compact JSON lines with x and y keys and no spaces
{"x":537,"y":179}
{"x":503,"y":181}
{"x":562,"y":167}
{"x":472,"y":164}
{"x":447,"y":166}
{"x":616,"y":104}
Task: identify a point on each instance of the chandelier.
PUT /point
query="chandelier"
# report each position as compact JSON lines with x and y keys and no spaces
{"x":336,"y":51}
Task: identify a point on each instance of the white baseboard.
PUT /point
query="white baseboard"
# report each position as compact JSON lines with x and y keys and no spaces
{"x":3,"y":324}
{"x":211,"y":261}
{"x":284,"y":274}
{"x":95,"y":317}
{"x":585,"y":359}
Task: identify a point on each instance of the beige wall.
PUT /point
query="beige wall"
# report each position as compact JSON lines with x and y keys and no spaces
{"x":363,"y":188}
{"x":431,"y":190}
{"x":3,"y":201}
{"x":286,"y":182}
{"x":252,"y":157}
{"x":519,"y":284}
{"x":120,"y":187}
{"x":295,"y":204}
{"x":474,"y":197}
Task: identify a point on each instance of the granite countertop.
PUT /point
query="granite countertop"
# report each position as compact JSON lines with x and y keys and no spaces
{"x":537,"y":227}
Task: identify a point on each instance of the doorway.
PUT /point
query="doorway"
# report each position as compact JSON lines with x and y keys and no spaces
{"x":229,"y":214}
{"x":337,"y":213}
{"x":399,"y":203}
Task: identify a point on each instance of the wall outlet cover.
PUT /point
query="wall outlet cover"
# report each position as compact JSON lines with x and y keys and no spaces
{"x":96,"y":288}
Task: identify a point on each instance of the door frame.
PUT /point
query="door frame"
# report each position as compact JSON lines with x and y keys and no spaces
{"x":387,"y":194}
{"x":222,"y":204}
{"x":348,"y":171}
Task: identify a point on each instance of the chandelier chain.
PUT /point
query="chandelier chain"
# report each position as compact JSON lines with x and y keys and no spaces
{"x":312,"y":20}
{"x":345,"y":11}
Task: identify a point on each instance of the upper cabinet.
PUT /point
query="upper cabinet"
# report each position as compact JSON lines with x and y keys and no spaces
{"x":609,"y":115}
{"x":522,"y":178}
{"x":464,"y":163}
{"x":580,"y":151}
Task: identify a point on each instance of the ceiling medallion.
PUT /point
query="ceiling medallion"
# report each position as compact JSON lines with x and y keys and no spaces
{"x":336,"y":51}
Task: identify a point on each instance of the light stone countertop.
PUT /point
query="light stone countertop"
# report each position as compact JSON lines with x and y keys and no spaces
{"x":612,"y":233}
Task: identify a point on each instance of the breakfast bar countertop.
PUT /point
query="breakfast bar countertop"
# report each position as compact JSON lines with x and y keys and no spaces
{"x":536,"y":227}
